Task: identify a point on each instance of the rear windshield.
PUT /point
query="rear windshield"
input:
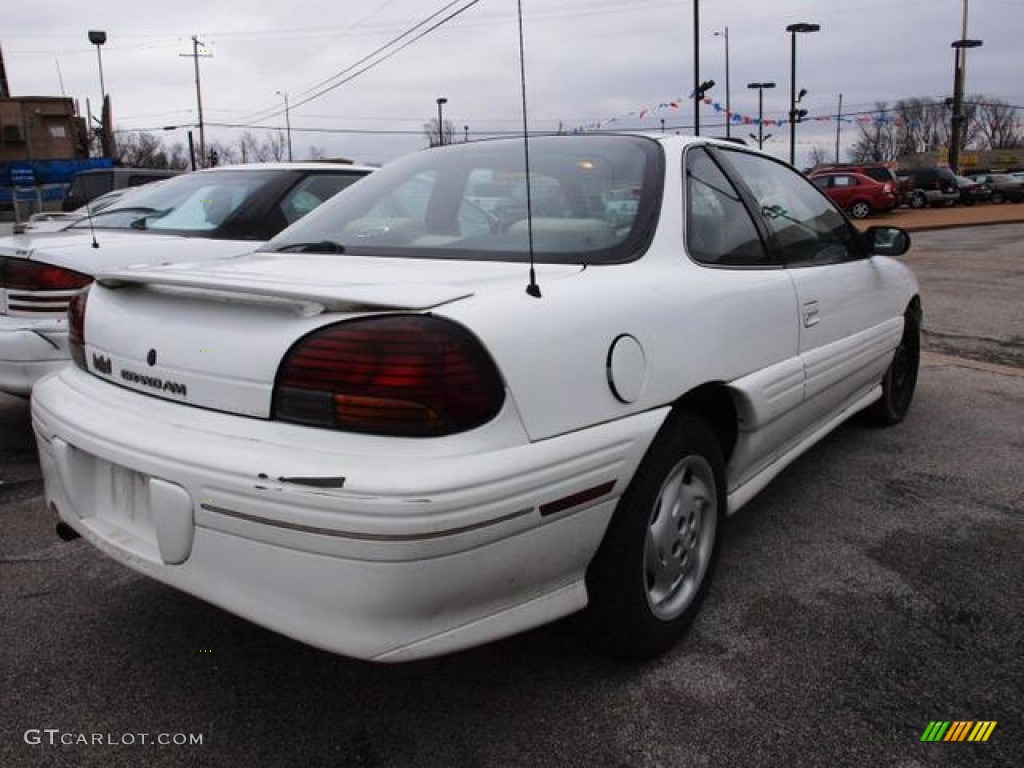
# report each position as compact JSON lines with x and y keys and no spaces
{"x":594,"y":199}
{"x":191,"y":203}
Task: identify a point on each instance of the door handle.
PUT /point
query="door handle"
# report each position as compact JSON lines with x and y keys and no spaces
{"x":810,"y":312}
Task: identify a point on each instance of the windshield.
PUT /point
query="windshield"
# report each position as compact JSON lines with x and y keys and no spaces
{"x":594,"y":200}
{"x":199,"y":203}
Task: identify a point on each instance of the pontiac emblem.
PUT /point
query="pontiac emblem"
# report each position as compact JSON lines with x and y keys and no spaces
{"x":102,"y":364}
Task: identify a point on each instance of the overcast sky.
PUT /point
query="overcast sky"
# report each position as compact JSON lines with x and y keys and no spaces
{"x":588,"y":61}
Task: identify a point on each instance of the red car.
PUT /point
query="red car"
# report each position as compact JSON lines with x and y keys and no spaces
{"x":856,"y":193}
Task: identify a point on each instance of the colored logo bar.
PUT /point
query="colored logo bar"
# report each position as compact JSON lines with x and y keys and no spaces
{"x":958,"y":730}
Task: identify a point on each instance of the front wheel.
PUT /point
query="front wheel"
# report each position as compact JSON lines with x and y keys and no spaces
{"x":997,"y":197}
{"x":652,"y":570}
{"x":900,"y":378}
{"x":918,"y":200}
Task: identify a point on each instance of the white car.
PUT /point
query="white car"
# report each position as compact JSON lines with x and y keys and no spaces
{"x":198,"y":216}
{"x":406,"y":426}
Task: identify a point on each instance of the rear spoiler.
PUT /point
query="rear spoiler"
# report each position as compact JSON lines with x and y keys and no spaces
{"x":312,"y":299}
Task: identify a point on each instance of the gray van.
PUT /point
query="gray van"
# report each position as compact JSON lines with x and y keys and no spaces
{"x":89,"y":184}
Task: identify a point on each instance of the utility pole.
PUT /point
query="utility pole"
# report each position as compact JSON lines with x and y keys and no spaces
{"x":696,"y":68}
{"x":195,"y":56}
{"x":839,"y":123}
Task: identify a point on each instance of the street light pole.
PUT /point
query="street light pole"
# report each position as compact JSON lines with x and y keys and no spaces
{"x":728,"y":105}
{"x":440,"y":120}
{"x":98,"y":37}
{"x":956,"y":129}
{"x":839,"y":126}
{"x":793,"y":29}
{"x":287,"y":123}
{"x":760,"y":109}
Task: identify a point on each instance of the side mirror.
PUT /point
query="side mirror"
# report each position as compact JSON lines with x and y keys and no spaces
{"x":886,"y":241}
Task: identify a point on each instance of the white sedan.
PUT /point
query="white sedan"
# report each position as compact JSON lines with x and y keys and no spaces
{"x":199,"y":216}
{"x":413,"y":423}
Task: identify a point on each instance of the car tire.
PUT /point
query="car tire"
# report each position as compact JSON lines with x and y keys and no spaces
{"x":997,"y":197}
{"x":918,"y":200}
{"x":860,"y":210}
{"x":900,"y":378}
{"x":652,"y":570}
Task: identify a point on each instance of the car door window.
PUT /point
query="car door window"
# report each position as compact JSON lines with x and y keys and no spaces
{"x":805,"y":226}
{"x":719,"y":229}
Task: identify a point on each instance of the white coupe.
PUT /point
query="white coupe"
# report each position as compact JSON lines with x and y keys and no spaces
{"x":464,"y":399}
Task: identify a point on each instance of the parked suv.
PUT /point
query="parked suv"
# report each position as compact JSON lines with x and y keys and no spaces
{"x":87,"y":185}
{"x":932,"y":186}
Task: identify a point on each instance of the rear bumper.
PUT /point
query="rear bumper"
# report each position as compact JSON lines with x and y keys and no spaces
{"x":422,"y":549}
{"x":30,"y":349}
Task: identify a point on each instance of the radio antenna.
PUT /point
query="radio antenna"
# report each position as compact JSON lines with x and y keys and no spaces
{"x":533,"y":288}
{"x":92,"y":229}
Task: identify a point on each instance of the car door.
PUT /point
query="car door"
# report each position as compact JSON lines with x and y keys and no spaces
{"x":753,"y":302}
{"x":846,"y":337}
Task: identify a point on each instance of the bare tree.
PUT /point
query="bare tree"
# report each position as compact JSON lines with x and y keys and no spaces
{"x":996,"y":125}
{"x":317,"y":153}
{"x":820,"y":156}
{"x":436,"y":138}
{"x":924,"y":125}
{"x":272,"y":147}
{"x":147,"y":150}
{"x":878,"y":141}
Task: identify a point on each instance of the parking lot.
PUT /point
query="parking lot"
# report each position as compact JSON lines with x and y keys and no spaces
{"x":874,"y":587}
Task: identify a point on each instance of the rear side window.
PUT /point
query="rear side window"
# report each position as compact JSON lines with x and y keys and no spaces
{"x":880,"y":174}
{"x":719,"y":230}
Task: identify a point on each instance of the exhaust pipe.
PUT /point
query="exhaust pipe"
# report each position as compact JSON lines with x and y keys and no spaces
{"x":66,"y":532}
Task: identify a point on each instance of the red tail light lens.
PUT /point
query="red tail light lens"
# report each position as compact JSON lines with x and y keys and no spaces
{"x":76,"y":327}
{"x":25,"y":275}
{"x":401,"y":375}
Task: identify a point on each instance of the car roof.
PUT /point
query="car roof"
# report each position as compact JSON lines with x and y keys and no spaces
{"x":308,"y":165}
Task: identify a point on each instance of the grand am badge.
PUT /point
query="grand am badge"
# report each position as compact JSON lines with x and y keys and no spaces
{"x":155,"y":382}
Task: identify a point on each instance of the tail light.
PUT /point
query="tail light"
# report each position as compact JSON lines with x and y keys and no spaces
{"x":887,"y":188}
{"x":76,"y":327}
{"x":401,"y":375}
{"x":25,"y":275}
{"x":34,"y":287}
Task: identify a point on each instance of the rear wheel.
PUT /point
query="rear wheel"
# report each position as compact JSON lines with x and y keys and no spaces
{"x":900,"y":378}
{"x":860,"y":210}
{"x":650,"y":575}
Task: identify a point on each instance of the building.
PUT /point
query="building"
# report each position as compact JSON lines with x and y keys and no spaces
{"x":41,"y":128}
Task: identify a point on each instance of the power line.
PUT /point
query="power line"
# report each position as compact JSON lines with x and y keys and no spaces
{"x":311,"y":94}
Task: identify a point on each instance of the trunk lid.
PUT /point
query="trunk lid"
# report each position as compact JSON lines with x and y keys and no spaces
{"x":213,"y":336}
